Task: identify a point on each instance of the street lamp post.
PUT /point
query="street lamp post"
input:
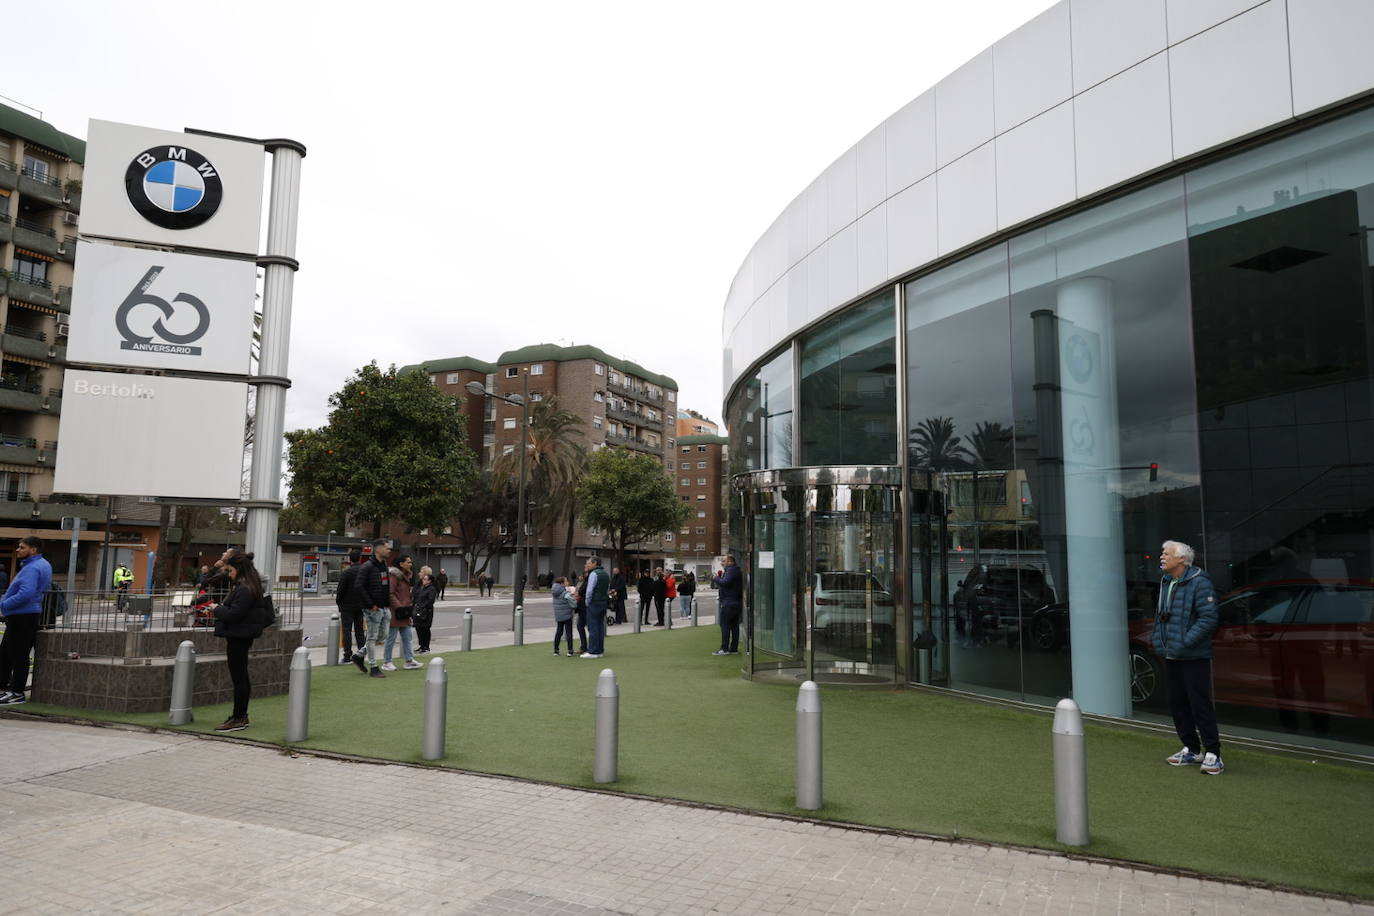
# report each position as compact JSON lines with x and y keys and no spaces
{"x":524,"y":403}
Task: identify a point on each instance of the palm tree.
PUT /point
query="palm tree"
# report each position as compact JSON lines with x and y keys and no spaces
{"x":554,"y":456}
{"x":991,"y":443}
{"x":935,"y":446}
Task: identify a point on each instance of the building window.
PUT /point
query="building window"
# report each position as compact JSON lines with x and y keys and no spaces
{"x":33,"y":270}
{"x":508,"y":423}
{"x":596,"y":422}
{"x":35,"y":168}
{"x":667,"y":537}
{"x":685,"y":450}
{"x":686,"y":481}
{"x":536,"y":396}
{"x":672,"y":397}
{"x":701,"y":448}
{"x":701,"y":545}
{"x":512,"y":371}
{"x":701,"y":497}
{"x":598,"y":397}
{"x":685,"y":531}
{"x":453,"y":378}
{"x":701,"y":531}
{"x":614,"y":378}
{"x":701,"y":481}
{"x":508,"y":450}
{"x":701,"y":513}
{"x":599,"y":369}
{"x":701,"y":464}
{"x":537,"y":369}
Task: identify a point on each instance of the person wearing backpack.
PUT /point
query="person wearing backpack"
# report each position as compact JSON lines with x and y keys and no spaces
{"x":240,"y":620}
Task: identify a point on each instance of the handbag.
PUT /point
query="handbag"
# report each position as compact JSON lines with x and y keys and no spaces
{"x":403,"y":613}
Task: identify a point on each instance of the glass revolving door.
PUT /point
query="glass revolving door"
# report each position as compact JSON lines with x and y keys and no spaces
{"x":821,"y":566}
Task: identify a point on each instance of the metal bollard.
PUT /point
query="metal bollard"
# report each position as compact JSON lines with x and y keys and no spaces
{"x":694,"y":611}
{"x":436,"y":709}
{"x":183,"y":684}
{"x":298,"y":700}
{"x":467,"y":630}
{"x":519,"y":624}
{"x":1070,"y":776}
{"x":331,"y":641}
{"x":639,"y":615}
{"x":809,"y":747}
{"x":607,"y":727}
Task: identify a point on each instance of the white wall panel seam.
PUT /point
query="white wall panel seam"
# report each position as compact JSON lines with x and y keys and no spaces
{"x":1288,"y":42}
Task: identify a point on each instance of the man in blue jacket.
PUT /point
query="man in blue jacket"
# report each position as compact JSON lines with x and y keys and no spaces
{"x":729,"y":585}
{"x":1184,"y":623}
{"x":22,"y":608}
{"x":596,"y":591}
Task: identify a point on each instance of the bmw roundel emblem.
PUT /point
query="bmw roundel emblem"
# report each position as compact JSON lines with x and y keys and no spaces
{"x":173,"y":187}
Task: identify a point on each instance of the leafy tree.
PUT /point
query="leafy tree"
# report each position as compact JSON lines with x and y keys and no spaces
{"x":479,"y":521}
{"x":554,"y":458}
{"x":395,"y":447}
{"x":627,"y":495}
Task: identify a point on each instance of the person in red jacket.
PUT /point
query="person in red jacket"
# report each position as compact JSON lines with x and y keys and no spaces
{"x":669,"y":590}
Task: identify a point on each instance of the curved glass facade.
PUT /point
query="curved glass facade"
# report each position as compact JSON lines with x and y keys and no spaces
{"x":989,"y":455}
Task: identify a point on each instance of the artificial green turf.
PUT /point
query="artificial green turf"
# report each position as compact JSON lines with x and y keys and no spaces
{"x":692,"y":728}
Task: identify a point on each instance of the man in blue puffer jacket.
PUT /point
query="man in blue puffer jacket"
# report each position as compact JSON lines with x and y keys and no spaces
{"x":1184,"y":623}
{"x":22,"y":609}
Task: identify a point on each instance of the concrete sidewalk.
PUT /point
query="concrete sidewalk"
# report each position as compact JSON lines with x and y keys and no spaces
{"x":112,"y":820}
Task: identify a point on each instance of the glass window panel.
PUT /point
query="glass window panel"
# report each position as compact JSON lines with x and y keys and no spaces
{"x":759,"y":418}
{"x":848,"y":403}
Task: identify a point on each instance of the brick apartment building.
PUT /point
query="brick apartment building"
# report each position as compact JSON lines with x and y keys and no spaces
{"x":621,"y":404}
{"x":699,"y":478}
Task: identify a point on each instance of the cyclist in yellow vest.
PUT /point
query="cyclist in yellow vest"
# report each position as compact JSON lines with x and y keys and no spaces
{"x":123,"y":578}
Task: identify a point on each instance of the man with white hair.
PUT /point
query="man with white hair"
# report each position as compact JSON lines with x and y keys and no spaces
{"x":1185,"y":620}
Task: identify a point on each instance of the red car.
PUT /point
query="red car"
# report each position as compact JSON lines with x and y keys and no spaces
{"x":1288,"y":645}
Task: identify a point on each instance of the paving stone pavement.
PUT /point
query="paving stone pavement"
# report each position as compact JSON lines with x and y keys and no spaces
{"x":109,"y":820}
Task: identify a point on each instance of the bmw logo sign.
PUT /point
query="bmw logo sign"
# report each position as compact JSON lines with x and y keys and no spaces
{"x":173,"y":187}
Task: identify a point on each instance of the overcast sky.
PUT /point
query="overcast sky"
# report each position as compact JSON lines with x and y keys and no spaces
{"x":485,"y":176}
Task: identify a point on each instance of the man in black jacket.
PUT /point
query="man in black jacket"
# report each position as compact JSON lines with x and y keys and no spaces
{"x":350,"y":606}
{"x":646,"y":595}
{"x":618,"y":595}
{"x":373,"y":590}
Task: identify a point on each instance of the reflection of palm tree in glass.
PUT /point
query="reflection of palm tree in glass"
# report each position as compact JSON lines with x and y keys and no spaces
{"x":991,"y":443}
{"x":935,"y":447}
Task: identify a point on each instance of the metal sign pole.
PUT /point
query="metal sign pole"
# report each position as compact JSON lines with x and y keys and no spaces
{"x":279,"y":264}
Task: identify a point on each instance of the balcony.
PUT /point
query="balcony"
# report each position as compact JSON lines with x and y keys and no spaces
{"x":20,"y":504}
{"x":17,"y":395}
{"x":39,"y":292}
{"x":9,"y":175}
{"x":66,"y":249}
{"x":638,"y":392}
{"x":33,"y":344}
{"x":42,"y":186}
{"x":638,"y":445}
{"x":6,"y":228}
{"x":35,"y":237}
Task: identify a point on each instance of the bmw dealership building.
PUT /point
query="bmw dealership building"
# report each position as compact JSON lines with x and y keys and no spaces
{"x":1108,"y":283}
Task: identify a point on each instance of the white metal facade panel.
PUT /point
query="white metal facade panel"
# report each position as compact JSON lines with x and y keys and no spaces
{"x":872,"y":232}
{"x":910,"y":142}
{"x":844,"y":264}
{"x":1032,"y":68}
{"x":1329,"y":42}
{"x":966,"y":199}
{"x":872,"y":169}
{"x":912,"y":229}
{"x":1035,"y":166}
{"x":1189,"y":17}
{"x":1230,"y":80}
{"x":1122,"y":126}
{"x":1110,"y":36}
{"x":963,"y":109}
{"x":842,"y":192}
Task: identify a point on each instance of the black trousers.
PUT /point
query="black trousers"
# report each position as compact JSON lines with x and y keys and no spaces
{"x":658,"y":608}
{"x":351,"y":622}
{"x":729,"y":628}
{"x":618,"y":605}
{"x":238,"y":673}
{"x":581,"y":618}
{"x":645,"y":602}
{"x":21,"y":632}
{"x":422,"y":634}
{"x":1190,"y":703}
{"x":565,"y":627}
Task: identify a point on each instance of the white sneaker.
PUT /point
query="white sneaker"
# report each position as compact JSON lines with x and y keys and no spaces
{"x":413,"y":664}
{"x":590,"y":655}
{"x":388,"y":666}
{"x":1212,"y":765}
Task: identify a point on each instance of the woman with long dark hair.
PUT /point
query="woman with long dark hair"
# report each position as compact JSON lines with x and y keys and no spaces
{"x":240,"y":620}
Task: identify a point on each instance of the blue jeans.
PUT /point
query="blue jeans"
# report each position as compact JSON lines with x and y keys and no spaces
{"x":407,"y":634}
{"x":378,"y":625}
{"x":596,"y":630}
{"x":686,"y":605}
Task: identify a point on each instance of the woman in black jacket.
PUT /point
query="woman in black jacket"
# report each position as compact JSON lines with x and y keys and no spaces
{"x":422,"y":608}
{"x":240,"y":620}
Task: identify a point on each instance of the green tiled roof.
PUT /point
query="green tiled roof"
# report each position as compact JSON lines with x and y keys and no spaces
{"x":703,"y":439}
{"x":552,"y":353}
{"x":14,"y":121}
{"x":452,"y":364}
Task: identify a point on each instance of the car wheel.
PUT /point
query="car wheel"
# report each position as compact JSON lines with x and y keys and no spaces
{"x":1044,"y":633}
{"x":1147,"y":679}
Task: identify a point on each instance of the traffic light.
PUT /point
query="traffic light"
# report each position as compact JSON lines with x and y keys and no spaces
{"x":1154,"y":471}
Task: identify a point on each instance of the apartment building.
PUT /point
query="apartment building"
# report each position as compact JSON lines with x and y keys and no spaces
{"x":40,"y":197}
{"x":699,"y":476}
{"x":691,"y":423}
{"x":621,"y":405}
